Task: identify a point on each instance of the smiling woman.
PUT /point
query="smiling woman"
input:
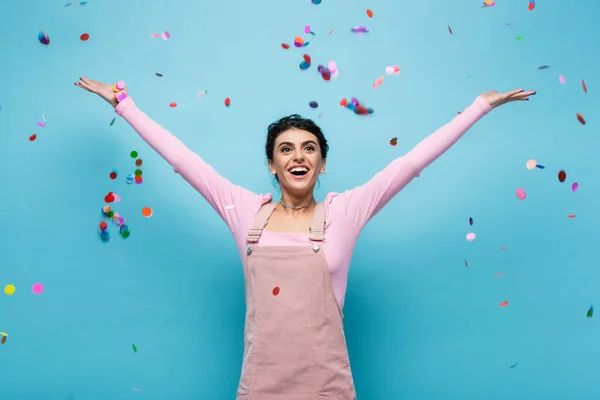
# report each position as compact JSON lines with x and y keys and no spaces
{"x":296,"y":252}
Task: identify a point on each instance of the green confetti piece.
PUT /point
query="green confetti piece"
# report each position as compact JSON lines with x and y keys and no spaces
{"x":520,"y":37}
{"x":590,"y":312}
{"x":134,"y":154}
{"x":113,"y":121}
{"x":134,"y":348}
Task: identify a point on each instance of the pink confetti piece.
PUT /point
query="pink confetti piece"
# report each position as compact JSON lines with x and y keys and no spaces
{"x":471,"y":236}
{"x":378,"y":82}
{"x":574,"y":187}
{"x":41,"y":124}
{"x":562,"y":79}
{"x":155,"y":35}
{"x":136,"y":389}
{"x":307,"y":29}
{"x":392,"y":70}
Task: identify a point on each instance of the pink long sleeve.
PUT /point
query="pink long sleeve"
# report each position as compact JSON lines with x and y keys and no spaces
{"x":230,"y":201}
{"x":364,"y":202}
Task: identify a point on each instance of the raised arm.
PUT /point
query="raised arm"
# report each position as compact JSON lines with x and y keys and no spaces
{"x":229,"y":200}
{"x":364,"y":202}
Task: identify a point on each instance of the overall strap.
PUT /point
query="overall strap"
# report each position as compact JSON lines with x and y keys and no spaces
{"x":260,"y":221}
{"x":317,"y":230}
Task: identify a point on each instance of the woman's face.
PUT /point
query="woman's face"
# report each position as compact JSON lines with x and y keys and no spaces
{"x":297,"y":161}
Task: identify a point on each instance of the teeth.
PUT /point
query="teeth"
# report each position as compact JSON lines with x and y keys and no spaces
{"x":299,"y":169}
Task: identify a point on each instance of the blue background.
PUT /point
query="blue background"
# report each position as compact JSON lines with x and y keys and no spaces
{"x":419,"y":324}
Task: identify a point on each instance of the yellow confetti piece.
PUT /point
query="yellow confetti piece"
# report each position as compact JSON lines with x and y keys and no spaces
{"x":3,"y":334}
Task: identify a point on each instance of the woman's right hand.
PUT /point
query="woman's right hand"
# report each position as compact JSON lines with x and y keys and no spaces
{"x":101,"y":89}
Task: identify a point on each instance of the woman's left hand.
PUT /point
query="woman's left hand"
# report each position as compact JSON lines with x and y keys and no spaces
{"x":496,"y":99}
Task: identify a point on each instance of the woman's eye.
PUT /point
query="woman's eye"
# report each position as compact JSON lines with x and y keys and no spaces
{"x":310,"y":148}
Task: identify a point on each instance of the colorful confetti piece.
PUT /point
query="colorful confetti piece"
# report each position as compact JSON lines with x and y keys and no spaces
{"x":503,"y":304}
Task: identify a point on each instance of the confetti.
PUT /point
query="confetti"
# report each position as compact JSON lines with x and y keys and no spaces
{"x":359,"y":30}
{"x":531,"y":164}
{"x":43,"y":38}
{"x":562,"y":175}
{"x":202,"y":93}
{"x":580,"y":118}
{"x":313,"y":104}
{"x":394,"y":141}
{"x":514,"y":365}
{"x":370,"y":13}
{"x":134,"y":348}
{"x":544,"y":67}
{"x":589,"y":314}
{"x":112,"y":122}
{"x":531,"y":5}
{"x":307,"y":29}
{"x":471,"y":221}
{"x":520,"y":37}
{"x":498,"y":274}
{"x":540,"y":166}
{"x":159,"y":74}
{"x":450,"y":30}
{"x":354,"y":105}
{"x":32,"y":137}
{"x":285,"y":46}
{"x":330,"y":32}
{"x":378,"y":82}
{"x":37,"y":288}
{"x":147,"y":212}
{"x":227,"y":102}
{"x":9,"y":290}
{"x":3,"y":334}
{"x":316,"y":1}
{"x":521,"y":195}
{"x":41,"y":124}
{"x":471,"y":236}
{"x":562,"y":79}
{"x":571,"y":216}
{"x":466,"y":264}
{"x":136,"y":389}
{"x":392,"y":70}
{"x":3,"y":340}
{"x":275,"y":290}
{"x":502,"y":248}
{"x":583,"y":86}
{"x":172,"y":105}
{"x":113,"y":174}
{"x":503,"y":304}
{"x":133,"y":154}
{"x":84,"y":37}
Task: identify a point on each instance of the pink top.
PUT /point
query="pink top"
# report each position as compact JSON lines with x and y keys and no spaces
{"x":346,"y":214}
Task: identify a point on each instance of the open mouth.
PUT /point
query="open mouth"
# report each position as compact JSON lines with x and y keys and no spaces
{"x":298,"y":172}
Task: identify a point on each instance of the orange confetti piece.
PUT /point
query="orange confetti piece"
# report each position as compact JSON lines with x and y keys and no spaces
{"x":503,"y":304}
{"x":378,"y":82}
{"x":299,"y":39}
{"x":330,"y":32}
{"x":370,"y":13}
{"x":580,"y":118}
{"x":147,"y":212}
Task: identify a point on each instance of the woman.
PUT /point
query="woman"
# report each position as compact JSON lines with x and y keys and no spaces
{"x":296,"y":252}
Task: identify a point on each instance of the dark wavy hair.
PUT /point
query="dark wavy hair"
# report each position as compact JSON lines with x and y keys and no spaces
{"x":294,"y":121}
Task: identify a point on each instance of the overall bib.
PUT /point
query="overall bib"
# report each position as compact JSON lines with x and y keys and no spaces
{"x":294,"y":344}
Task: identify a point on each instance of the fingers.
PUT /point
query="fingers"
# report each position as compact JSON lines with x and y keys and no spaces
{"x":84,"y":85}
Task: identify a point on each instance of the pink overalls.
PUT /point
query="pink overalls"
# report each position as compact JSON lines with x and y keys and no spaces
{"x":294,"y":344}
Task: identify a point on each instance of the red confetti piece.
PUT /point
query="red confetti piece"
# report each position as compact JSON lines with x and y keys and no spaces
{"x":571,"y":216}
{"x":562,"y":175}
{"x":503,"y":248}
{"x":32,"y":137}
{"x":173,"y":105}
{"x":583,"y":86}
{"x":113,"y":175}
{"x":503,"y":304}
{"x":275,"y":290}
{"x":109,"y":198}
{"x":580,"y":118}
{"x":370,"y":13}
{"x":307,"y":58}
{"x":531,"y":5}
{"x":227,"y":102}
{"x":285,"y":45}
{"x":84,"y":37}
